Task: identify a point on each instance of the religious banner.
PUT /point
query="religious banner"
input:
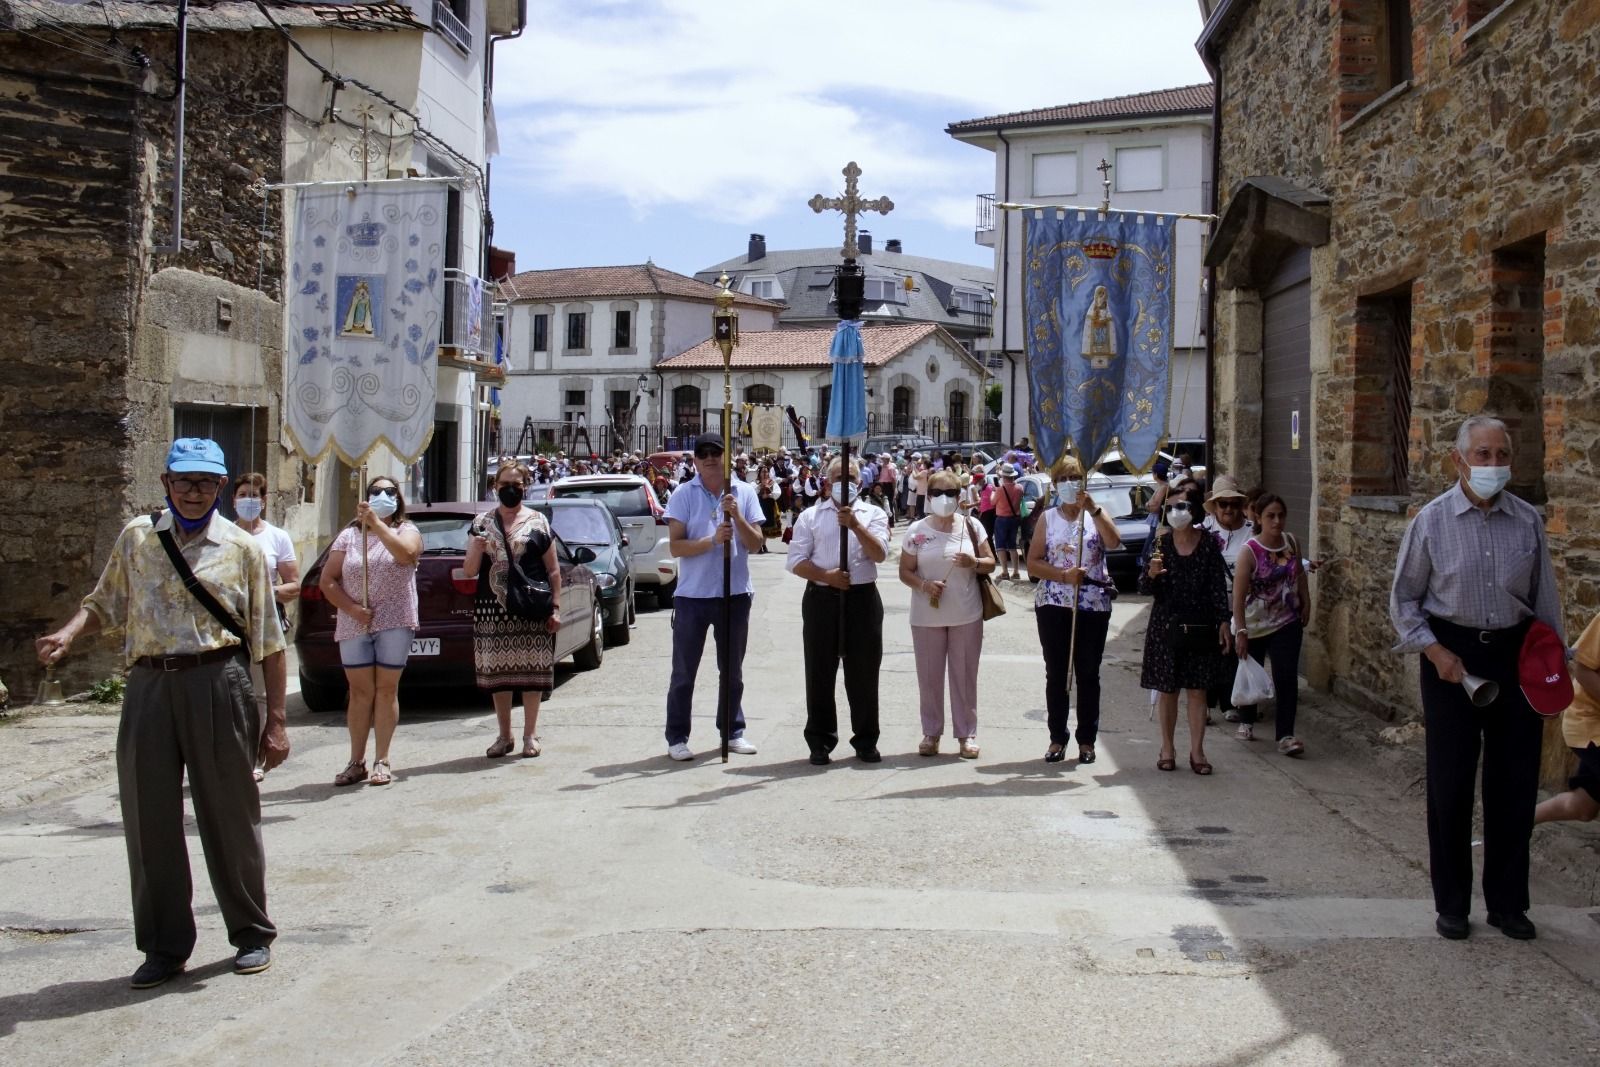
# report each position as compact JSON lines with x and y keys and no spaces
{"x":1098,"y":313}
{"x":766,"y":428}
{"x":366,"y":294}
{"x":847,"y":401}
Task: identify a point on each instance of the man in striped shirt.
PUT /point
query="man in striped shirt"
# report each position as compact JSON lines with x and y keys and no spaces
{"x":1474,"y":572}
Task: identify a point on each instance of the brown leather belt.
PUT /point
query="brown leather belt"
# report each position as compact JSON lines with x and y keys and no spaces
{"x":188,"y":660}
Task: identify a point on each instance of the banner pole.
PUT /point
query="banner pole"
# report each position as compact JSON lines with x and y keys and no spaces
{"x":366,"y":584}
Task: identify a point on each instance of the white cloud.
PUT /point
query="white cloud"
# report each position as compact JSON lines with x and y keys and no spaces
{"x":745,"y":110}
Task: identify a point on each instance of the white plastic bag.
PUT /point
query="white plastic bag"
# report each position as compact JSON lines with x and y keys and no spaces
{"x":1252,"y":684}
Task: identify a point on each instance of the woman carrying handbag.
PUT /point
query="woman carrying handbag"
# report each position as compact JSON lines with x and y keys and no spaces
{"x":941,"y":560}
{"x":512,"y":649}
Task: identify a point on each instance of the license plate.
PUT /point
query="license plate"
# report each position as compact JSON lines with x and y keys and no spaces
{"x":424,"y":646}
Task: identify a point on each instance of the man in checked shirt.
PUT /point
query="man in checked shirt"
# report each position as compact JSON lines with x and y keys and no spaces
{"x":1474,"y":572}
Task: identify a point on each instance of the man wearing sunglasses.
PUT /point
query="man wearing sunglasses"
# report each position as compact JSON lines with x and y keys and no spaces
{"x":703,"y":514}
{"x":814,"y":556}
{"x":189,"y":710}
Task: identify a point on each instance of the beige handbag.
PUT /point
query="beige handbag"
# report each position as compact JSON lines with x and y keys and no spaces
{"x":994,"y":602}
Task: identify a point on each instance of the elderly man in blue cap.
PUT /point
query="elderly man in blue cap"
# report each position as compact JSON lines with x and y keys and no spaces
{"x":190,"y":595}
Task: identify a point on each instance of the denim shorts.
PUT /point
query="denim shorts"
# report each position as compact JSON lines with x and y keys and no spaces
{"x":386,"y":648}
{"x":1005,"y":531}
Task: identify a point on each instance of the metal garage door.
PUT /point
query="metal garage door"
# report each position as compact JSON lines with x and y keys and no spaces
{"x":1286,"y":390}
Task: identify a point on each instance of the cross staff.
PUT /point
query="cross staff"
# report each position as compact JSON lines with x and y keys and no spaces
{"x":851,"y":204}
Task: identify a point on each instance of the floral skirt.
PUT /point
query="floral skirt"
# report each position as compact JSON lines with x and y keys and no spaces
{"x":510,"y":654}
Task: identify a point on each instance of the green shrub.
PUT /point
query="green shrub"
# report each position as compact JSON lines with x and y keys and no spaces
{"x":108,"y":690}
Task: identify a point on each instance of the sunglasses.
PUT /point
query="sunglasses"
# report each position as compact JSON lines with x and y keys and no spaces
{"x":1230,"y":505}
{"x":196,"y":485}
{"x":1178,"y":507}
{"x":944,"y":492}
{"x":708,"y":453}
{"x":392,"y":494}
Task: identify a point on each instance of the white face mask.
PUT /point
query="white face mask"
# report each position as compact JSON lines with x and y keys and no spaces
{"x":1486,"y":482}
{"x":942,"y":506}
{"x":383,"y":506}
{"x":1179,"y":520}
{"x":1175,"y":475}
{"x":247,"y":508}
{"x":1067,"y":491}
{"x":839,"y":489}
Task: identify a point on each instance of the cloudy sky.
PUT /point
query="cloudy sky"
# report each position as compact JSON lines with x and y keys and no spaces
{"x":671,"y":129}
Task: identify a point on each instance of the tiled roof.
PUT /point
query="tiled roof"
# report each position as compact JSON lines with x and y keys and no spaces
{"x":205,"y":15}
{"x":642,"y":279}
{"x":801,"y":348}
{"x":1185,"y":100}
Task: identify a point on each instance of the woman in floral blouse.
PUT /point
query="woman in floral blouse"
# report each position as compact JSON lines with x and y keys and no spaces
{"x":1054,"y":559}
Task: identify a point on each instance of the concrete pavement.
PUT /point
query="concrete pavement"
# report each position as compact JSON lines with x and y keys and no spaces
{"x":604,"y":905}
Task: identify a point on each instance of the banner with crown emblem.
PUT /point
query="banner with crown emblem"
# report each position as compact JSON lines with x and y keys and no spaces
{"x":365,"y":303}
{"x":1098,"y":309}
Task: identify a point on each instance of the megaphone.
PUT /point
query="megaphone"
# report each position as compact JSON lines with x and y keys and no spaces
{"x":1481,"y":691}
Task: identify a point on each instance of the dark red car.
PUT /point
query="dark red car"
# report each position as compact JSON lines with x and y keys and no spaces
{"x":441,"y":650}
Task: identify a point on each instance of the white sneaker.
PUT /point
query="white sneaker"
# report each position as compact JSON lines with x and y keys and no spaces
{"x":1245,"y":732}
{"x":741,"y":746}
{"x":680,"y":751}
{"x":1292,"y":746}
{"x":1231,"y":716}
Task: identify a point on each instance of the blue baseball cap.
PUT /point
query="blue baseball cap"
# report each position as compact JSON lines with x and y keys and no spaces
{"x":196,"y":454}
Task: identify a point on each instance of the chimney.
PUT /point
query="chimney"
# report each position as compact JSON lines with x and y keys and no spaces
{"x":758,"y":248}
{"x":864,"y":242}
{"x":892,"y":245}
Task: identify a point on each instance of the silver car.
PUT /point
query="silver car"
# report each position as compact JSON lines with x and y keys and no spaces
{"x":630,"y":498}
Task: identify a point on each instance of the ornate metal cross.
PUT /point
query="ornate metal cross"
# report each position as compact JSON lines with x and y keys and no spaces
{"x":1105,"y":185}
{"x":851,"y":204}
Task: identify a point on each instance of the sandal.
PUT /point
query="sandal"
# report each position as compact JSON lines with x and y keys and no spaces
{"x":354,"y":771}
{"x":530,"y":746}
{"x":381,"y":773}
{"x":1199,"y":768}
{"x":1055,"y":753}
{"x":1085,"y":755}
{"x":928,"y":746}
{"x":502,"y":746}
{"x":1167,"y":763}
{"x":969,"y":748}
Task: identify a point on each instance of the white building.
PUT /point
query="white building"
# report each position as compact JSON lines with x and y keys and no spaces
{"x":920,"y":371}
{"x":434,"y":117}
{"x":583,"y":346}
{"x":1159,"y":148}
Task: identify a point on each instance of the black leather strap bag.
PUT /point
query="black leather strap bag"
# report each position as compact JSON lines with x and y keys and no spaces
{"x":525,"y":598}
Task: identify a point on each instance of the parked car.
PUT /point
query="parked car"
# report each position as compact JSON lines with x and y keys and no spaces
{"x":631,"y":499}
{"x":1125,"y":504}
{"x":895,"y":442}
{"x":982,"y":452}
{"x":588,"y":524}
{"x":441,"y":649}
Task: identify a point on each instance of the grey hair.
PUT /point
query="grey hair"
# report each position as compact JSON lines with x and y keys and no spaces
{"x":1475,"y":423}
{"x":834,"y":466}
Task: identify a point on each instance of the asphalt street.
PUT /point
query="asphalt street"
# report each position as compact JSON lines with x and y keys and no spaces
{"x":602,"y":904}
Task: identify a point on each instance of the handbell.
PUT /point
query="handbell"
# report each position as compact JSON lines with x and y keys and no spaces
{"x":1481,"y":691}
{"x":50,"y":692}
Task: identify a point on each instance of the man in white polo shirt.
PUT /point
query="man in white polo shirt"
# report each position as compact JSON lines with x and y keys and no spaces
{"x":703,"y":514}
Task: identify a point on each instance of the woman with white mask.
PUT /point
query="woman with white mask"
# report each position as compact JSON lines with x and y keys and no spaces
{"x":940,"y":561}
{"x":1188,"y":632}
{"x":1070,"y":562}
{"x":249,"y":505}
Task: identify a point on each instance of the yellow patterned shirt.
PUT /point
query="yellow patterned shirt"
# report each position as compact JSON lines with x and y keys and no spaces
{"x":141,"y":596}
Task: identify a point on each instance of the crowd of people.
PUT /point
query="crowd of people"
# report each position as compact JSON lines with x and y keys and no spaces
{"x":198,"y":601}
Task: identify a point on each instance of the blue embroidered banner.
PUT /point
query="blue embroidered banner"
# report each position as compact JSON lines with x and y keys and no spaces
{"x":1098,"y":315}
{"x":366,"y":292}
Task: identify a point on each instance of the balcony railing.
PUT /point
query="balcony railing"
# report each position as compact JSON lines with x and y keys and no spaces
{"x":449,"y":26}
{"x":985,"y":211}
{"x":468,"y":316}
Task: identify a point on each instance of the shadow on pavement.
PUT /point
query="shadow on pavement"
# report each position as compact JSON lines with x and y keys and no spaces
{"x":72,"y":1000}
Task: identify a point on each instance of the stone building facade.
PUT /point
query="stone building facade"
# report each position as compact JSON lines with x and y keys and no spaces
{"x":110,"y":338}
{"x":1409,"y":236}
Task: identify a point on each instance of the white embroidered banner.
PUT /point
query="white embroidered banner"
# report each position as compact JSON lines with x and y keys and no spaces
{"x":366,"y":294}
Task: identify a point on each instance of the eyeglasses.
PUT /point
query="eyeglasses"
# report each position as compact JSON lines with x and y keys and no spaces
{"x":377,"y":491}
{"x":708,"y":453}
{"x":944,"y":492}
{"x":197,"y":485}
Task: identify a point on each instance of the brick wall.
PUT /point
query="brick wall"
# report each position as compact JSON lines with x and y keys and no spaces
{"x":1453,"y":186}
{"x":83,"y":149}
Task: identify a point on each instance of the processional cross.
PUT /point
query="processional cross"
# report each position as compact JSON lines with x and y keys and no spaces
{"x":851,"y":204}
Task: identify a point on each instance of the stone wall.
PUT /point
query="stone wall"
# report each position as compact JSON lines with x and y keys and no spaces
{"x":85,"y":412}
{"x":1467,"y":194}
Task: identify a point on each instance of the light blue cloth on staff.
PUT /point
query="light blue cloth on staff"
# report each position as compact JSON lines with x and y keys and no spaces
{"x":847,"y":402}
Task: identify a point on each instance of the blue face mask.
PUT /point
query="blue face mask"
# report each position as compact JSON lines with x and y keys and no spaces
{"x":247,"y":508}
{"x":189,"y":526}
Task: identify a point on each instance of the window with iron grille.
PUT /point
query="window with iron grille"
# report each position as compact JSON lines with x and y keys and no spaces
{"x":622,"y":332}
{"x":1380,"y":433}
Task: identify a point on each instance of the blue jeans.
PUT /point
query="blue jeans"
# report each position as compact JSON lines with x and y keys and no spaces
{"x":691,"y":618}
